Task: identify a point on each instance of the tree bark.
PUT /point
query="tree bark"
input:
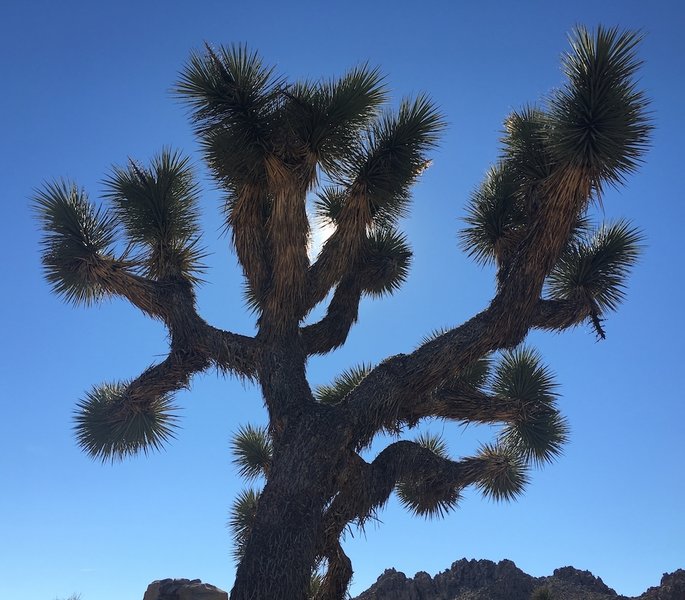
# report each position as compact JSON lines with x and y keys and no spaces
{"x":285,"y":538}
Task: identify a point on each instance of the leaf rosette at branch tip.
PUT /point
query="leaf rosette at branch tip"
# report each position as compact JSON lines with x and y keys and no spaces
{"x":599,"y":119}
{"x":503,"y":472}
{"x":539,"y":432}
{"x":425,"y":495}
{"x":594,"y":269}
{"x":158,"y":207}
{"x":495,"y":217}
{"x":77,"y":242}
{"x":111,"y":425}
{"x":385,"y":264}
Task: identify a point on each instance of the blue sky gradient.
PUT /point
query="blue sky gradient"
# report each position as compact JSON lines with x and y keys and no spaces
{"x":87,"y":84}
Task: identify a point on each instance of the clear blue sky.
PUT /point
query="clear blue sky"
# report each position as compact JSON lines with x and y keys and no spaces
{"x":86,"y":84}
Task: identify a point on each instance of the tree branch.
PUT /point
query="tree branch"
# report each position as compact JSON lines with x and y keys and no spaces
{"x":331,"y":331}
{"x":247,"y":218}
{"x":338,"y":574}
{"x":557,"y":315}
{"x":368,"y":486}
{"x":232,"y":352}
{"x":513,"y":311}
{"x":288,"y":235}
{"x":341,"y":250}
{"x":173,"y":302}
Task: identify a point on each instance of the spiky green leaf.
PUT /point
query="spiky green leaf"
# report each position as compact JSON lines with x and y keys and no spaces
{"x":504,"y":472}
{"x":110,"y":425}
{"x":232,"y":96}
{"x":77,"y":242}
{"x":241,"y":519}
{"x":594,"y":270}
{"x":540,"y":432}
{"x":426,"y":495}
{"x":526,"y":146}
{"x":495,"y":217}
{"x":327,"y":117}
{"x":252,"y":451}
{"x":385,"y":263}
{"x":329,"y":203}
{"x":599,"y":119}
{"x":342,"y":385}
{"x":158,"y":208}
{"x":394,"y":156}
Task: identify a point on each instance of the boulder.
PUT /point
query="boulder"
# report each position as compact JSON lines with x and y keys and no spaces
{"x":183,"y":589}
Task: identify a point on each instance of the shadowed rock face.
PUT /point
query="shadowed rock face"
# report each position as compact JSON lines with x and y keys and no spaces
{"x":183,"y":589}
{"x":486,"y":580}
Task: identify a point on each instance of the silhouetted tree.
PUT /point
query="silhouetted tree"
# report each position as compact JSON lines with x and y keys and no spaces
{"x":269,"y":144}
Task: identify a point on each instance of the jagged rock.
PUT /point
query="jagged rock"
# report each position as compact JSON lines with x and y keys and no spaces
{"x":183,"y":589}
{"x":672,"y":587}
{"x":486,"y":580}
{"x":472,"y":579}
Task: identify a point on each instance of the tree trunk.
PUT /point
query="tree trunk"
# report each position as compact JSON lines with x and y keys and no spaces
{"x":285,"y":538}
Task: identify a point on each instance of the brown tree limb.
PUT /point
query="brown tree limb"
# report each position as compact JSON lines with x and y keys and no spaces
{"x":173,"y":302}
{"x":247,"y":217}
{"x":338,"y":573}
{"x":512,"y":312}
{"x":369,"y":485}
{"x":342,"y":248}
{"x":332,"y":331}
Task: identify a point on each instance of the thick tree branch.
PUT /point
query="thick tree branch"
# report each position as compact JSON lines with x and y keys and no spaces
{"x":557,"y":315}
{"x":232,"y":352}
{"x":173,"y":302}
{"x":338,"y":574}
{"x":171,"y":375}
{"x":341,"y":250}
{"x":146,"y":294}
{"x":513,"y":311}
{"x":247,"y":216}
{"x":369,"y":486}
{"x":461,"y":403}
{"x":331,"y":331}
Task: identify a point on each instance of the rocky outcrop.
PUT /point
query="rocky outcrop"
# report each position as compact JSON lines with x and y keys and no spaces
{"x":486,"y":580}
{"x":464,"y":580}
{"x":183,"y":589}
{"x":672,"y":587}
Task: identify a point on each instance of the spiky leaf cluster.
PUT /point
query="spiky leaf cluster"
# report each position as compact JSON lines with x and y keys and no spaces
{"x":111,"y":425}
{"x":77,"y":242}
{"x":385,"y":263}
{"x":540,"y":432}
{"x":596,"y":125}
{"x":342,"y":385}
{"x":327,"y":117}
{"x":426,"y":495}
{"x":496,"y":216}
{"x":393,"y":156}
{"x":506,"y":472}
{"x":243,"y":512}
{"x":600,"y":122}
{"x":158,"y":208}
{"x":232,"y":96}
{"x":594,"y":269}
{"x":252,"y":451}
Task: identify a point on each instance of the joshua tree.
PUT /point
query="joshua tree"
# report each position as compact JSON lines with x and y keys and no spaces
{"x":271,"y":145}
